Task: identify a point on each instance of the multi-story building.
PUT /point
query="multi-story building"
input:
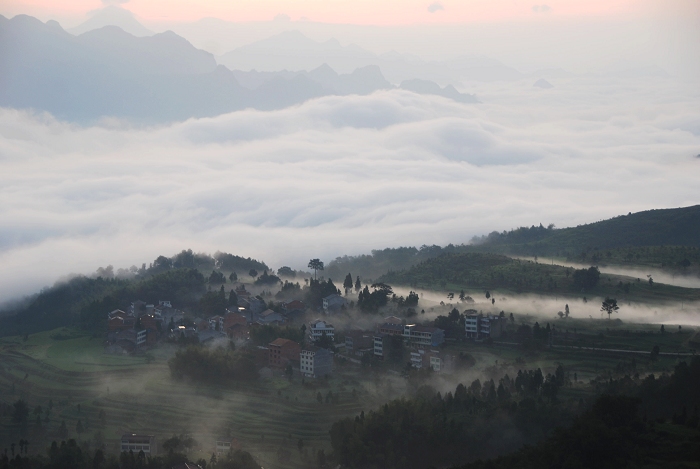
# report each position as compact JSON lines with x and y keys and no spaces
{"x":358,"y":343}
{"x":216,"y":323}
{"x":478,"y":326}
{"x":318,"y":328}
{"x":316,"y":362}
{"x":136,"y":443}
{"x":333,"y":303}
{"x":425,"y":358}
{"x":426,"y":336}
{"x":381,"y":342}
{"x":283,"y":351}
{"x":390,"y":328}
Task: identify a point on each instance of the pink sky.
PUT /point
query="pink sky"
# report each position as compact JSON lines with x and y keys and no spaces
{"x":378,"y":12}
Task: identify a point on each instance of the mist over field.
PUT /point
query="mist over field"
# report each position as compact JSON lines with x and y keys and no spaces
{"x":340,"y":175}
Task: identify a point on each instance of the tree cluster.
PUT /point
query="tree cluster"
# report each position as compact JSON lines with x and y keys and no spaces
{"x":215,"y":366}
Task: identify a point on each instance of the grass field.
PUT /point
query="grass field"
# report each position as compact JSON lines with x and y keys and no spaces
{"x":138,"y":396}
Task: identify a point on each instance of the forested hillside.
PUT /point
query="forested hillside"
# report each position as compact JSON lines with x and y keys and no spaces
{"x":650,"y":422}
{"x":85,"y":301}
{"x":666,"y":239}
{"x":488,"y":271}
{"x":667,"y":227}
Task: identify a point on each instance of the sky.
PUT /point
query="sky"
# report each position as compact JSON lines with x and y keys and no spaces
{"x":385,"y":12}
{"x":344,"y":175}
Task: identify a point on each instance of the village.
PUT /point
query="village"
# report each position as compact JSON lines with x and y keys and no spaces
{"x":143,"y":325}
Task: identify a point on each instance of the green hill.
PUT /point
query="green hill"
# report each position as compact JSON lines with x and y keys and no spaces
{"x":666,"y":239}
{"x":488,"y":271}
{"x":621,"y":235}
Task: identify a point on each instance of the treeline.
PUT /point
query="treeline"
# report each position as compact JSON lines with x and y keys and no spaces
{"x":647,"y":423}
{"x":381,"y":261}
{"x":488,"y":271}
{"x":70,"y":455}
{"x":213,"y":366}
{"x":431,"y":430}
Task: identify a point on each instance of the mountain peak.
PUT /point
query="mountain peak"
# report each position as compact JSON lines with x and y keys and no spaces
{"x":112,"y":15}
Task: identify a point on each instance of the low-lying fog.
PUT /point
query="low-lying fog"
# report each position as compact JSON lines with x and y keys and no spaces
{"x":341,"y":175}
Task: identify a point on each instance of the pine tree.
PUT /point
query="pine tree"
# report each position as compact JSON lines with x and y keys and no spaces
{"x":347,"y":284}
{"x":358,"y":285}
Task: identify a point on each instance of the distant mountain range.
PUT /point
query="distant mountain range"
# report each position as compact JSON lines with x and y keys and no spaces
{"x":291,"y":50}
{"x":112,"y":16}
{"x":158,"y":78}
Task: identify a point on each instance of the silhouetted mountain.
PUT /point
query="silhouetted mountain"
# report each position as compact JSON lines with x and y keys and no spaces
{"x":429,"y":87}
{"x":292,"y":50}
{"x":112,"y":16}
{"x":544,"y":84}
{"x":109,"y":72}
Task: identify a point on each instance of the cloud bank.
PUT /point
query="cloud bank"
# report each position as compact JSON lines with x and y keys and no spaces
{"x":339,"y":175}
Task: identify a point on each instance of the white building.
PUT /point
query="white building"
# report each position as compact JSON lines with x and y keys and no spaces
{"x":477,"y":326}
{"x":315,"y":362}
{"x":136,"y":443}
{"x":318,"y":328}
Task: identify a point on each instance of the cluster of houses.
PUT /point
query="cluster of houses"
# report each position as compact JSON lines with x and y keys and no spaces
{"x":140,"y":326}
{"x":144,"y":324}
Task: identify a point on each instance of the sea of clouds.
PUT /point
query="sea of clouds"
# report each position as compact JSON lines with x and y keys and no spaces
{"x":340,"y":175}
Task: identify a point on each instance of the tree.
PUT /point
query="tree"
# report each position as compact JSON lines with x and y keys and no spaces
{"x":654,"y":353}
{"x":488,"y":294}
{"x":450,"y":296}
{"x":20,"y":412}
{"x":586,"y":278}
{"x":233,"y":277}
{"x":316,"y":265}
{"x":609,"y":306}
{"x":253,"y":273}
{"x":233,"y":299}
{"x":566,"y":310}
{"x":63,"y":430}
{"x":663,"y":329}
{"x":347,"y":284}
{"x":358,"y":285}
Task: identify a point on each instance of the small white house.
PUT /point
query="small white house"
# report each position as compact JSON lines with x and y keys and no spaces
{"x":318,"y":328}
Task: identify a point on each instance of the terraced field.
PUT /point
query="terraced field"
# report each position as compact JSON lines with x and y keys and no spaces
{"x":139,"y":396}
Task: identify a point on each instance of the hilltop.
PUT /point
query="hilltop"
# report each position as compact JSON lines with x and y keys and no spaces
{"x":667,"y":238}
